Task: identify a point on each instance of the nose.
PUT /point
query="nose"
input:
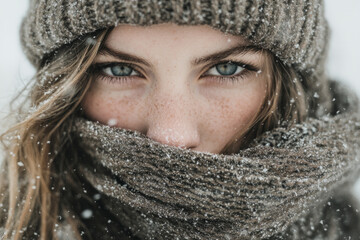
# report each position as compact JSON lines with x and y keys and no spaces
{"x":171,"y":121}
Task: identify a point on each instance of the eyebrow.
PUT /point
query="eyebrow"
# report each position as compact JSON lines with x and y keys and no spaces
{"x":239,"y":49}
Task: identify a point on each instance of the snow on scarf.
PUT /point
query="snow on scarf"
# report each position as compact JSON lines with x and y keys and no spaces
{"x":165,"y":192}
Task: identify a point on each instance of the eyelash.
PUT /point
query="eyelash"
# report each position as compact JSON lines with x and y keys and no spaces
{"x":99,"y":67}
{"x":98,"y":70}
{"x":247,"y":69}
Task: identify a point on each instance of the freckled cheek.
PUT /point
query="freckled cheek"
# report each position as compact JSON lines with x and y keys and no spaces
{"x":232,"y":114}
{"x":122,"y":111}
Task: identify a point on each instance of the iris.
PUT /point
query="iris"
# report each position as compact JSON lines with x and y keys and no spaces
{"x":121,"y":70}
{"x":226,"y":68}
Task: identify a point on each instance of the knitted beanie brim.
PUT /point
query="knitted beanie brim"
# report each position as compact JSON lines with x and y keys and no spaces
{"x":295,"y":31}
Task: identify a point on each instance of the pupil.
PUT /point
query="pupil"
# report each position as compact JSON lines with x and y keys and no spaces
{"x":226,"y":68}
{"x":121,"y":70}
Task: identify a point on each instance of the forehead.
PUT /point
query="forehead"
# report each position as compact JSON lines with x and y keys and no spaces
{"x":198,"y":38}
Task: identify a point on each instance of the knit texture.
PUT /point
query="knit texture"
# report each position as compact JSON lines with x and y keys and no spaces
{"x":275,"y":189}
{"x":295,"y":30}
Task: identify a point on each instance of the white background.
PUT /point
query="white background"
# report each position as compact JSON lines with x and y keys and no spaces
{"x":343,"y":62}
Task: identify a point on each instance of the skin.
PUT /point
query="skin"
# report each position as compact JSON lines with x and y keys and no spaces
{"x":174,"y":101}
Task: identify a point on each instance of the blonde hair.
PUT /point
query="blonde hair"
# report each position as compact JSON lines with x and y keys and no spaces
{"x":36,"y":144}
{"x":40,"y":156}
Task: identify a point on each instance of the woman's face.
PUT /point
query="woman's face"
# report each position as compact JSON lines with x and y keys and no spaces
{"x":186,"y":86}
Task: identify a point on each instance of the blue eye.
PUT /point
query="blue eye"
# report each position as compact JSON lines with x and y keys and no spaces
{"x":118,"y":70}
{"x":225,"y":69}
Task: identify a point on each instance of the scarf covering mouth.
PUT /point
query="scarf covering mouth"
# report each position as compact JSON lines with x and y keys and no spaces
{"x":165,"y":192}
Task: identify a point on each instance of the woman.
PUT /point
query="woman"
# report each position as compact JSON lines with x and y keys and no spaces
{"x":180,"y":119}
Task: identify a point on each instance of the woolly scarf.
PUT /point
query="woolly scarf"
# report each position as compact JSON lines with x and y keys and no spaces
{"x":164,"y":192}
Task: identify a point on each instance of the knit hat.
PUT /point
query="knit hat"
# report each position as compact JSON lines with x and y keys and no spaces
{"x":294,"y":30}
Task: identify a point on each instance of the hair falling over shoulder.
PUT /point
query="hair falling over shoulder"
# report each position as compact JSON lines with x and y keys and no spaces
{"x":37,"y":161}
{"x":40,"y":161}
